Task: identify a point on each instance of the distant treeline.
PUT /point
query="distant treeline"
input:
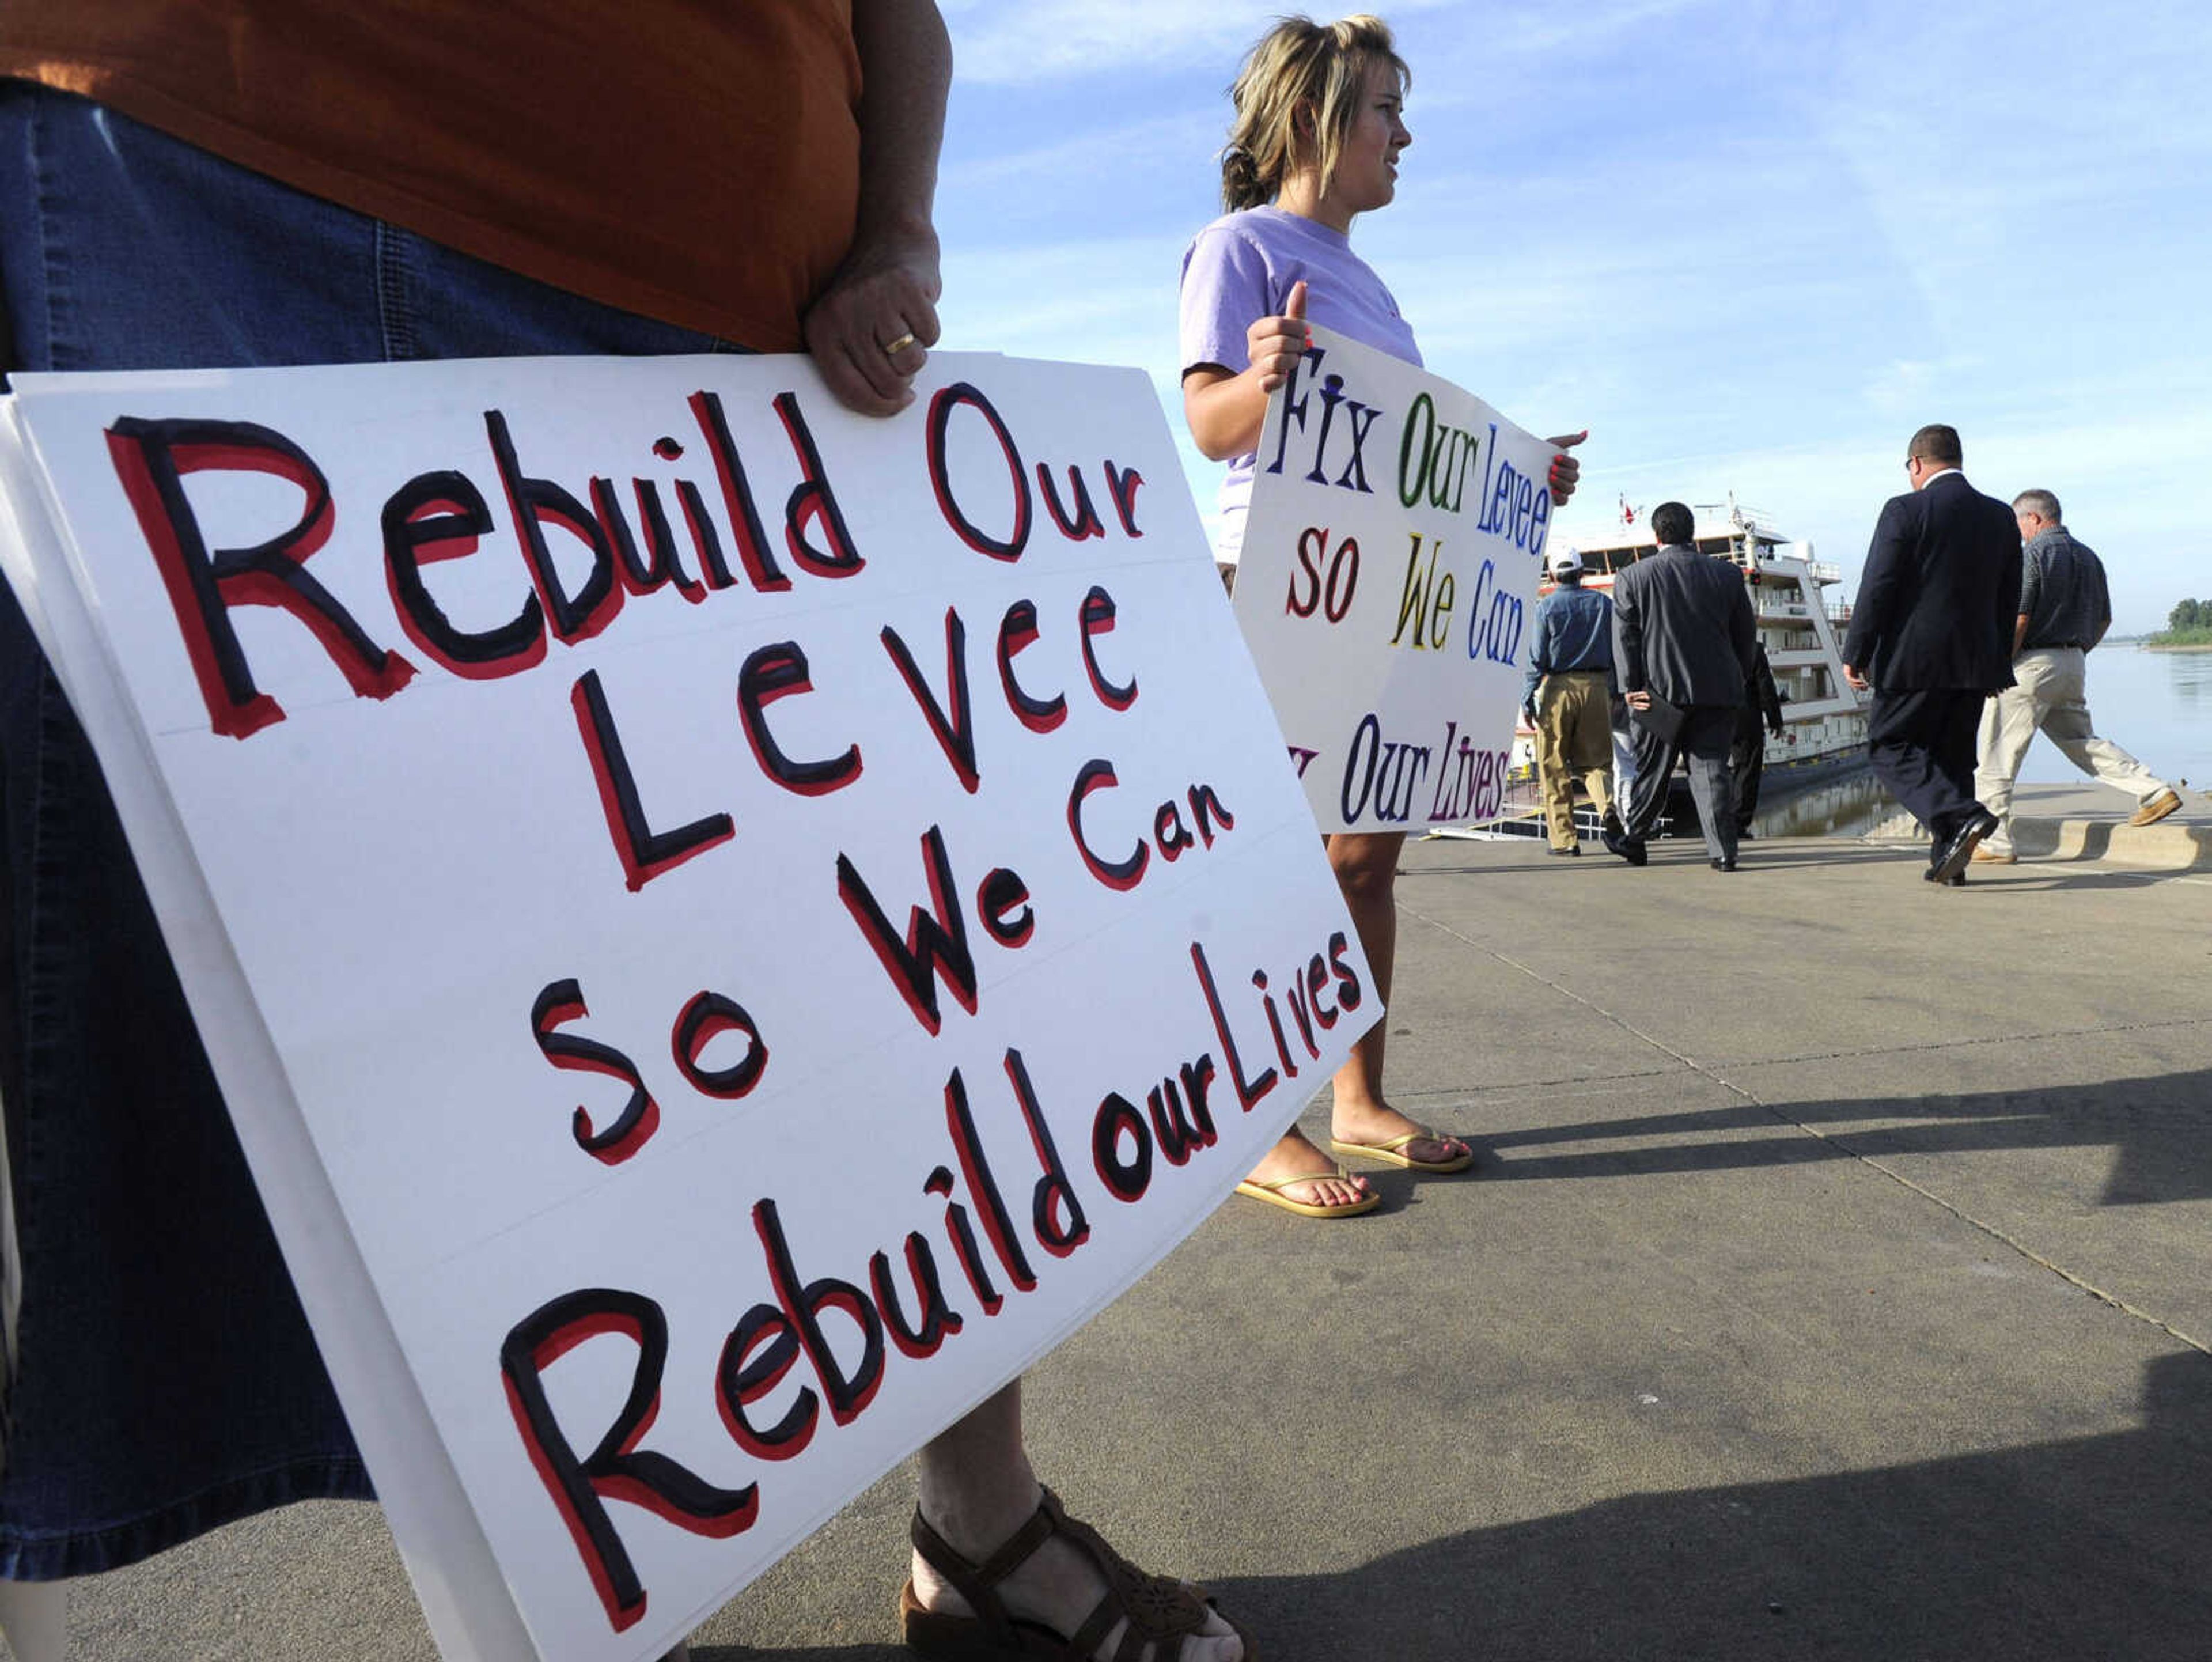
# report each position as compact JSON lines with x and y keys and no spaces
{"x":2189,"y":624}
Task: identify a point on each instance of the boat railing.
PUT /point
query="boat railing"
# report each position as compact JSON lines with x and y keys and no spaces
{"x":1819,"y":572}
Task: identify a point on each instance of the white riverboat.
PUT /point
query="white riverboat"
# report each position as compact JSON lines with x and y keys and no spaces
{"x":1823,"y":720}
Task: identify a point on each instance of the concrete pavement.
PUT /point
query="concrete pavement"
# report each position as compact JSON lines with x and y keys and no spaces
{"x":1837,"y":1283}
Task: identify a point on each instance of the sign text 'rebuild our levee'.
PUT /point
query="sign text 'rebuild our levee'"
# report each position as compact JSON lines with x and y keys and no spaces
{"x":752,"y":921}
{"x":1396,"y":534}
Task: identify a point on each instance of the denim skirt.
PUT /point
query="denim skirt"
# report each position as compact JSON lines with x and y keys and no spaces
{"x":165,"y":1379}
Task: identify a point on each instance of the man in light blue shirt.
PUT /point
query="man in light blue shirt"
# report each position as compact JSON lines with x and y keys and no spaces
{"x":1568,"y":698}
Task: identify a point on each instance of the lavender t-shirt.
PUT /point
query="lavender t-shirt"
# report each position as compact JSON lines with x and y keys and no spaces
{"x":1239,"y":270}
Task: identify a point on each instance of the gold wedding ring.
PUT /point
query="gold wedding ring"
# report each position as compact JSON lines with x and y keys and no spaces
{"x":892,"y":348}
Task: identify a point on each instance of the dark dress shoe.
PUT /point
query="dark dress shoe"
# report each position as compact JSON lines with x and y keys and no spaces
{"x":1950,"y":854}
{"x":1721,"y":865}
{"x":1629,"y":848}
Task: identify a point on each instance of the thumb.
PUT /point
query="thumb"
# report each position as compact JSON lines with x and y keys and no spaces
{"x":1570,"y":441}
{"x":1294,"y":307}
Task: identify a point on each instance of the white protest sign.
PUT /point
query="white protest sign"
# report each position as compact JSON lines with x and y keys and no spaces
{"x":728,"y":927}
{"x":1391,"y":556}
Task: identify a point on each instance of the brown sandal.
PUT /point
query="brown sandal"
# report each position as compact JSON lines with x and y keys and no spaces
{"x":1160,"y":1611}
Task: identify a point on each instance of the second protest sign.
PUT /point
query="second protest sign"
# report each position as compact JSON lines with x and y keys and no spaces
{"x":1391,"y":556}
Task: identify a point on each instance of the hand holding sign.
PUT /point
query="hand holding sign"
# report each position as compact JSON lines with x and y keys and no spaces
{"x":1565,"y":470}
{"x":867,"y":332}
{"x":1226,"y":407}
{"x":1276,"y":343}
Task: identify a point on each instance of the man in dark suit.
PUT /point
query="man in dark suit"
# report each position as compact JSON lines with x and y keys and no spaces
{"x":1684,"y":642}
{"x":1762,"y":715}
{"x":1932,"y":634}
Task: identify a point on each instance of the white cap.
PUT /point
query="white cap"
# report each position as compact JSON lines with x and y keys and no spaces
{"x":1566,"y":560}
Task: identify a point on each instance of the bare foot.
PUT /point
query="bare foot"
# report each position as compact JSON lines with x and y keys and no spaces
{"x":1059,"y":1586}
{"x":1296,"y":1155}
{"x":1373,"y":1122}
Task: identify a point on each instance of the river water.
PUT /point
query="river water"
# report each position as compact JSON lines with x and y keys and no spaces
{"x":2157,"y":706}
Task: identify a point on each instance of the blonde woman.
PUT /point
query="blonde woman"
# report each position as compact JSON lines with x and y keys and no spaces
{"x":1320,"y":126}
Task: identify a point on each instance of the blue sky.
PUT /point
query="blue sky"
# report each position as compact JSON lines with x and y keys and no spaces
{"x":1750,"y":246}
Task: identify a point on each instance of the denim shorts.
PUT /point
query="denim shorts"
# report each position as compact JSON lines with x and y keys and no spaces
{"x":166,"y":1380}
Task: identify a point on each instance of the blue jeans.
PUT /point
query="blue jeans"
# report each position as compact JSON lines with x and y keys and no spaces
{"x":166,"y":1380}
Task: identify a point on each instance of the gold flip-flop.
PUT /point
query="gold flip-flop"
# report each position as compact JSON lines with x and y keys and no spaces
{"x":1392,"y":1153}
{"x":1272,"y":1193}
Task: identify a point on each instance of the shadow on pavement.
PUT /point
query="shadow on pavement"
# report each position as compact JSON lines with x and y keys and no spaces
{"x":2068,"y":1551}
{"x":2156,"y":1123}
{"x":1668,"y":851}
{"x":2029,"y":876}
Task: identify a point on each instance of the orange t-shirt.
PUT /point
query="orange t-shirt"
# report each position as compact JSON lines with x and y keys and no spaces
{"x":695,"y":161}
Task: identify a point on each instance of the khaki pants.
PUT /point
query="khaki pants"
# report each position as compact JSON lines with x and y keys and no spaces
{"x":1574,"y":736}
{"x":2048,"y":696}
